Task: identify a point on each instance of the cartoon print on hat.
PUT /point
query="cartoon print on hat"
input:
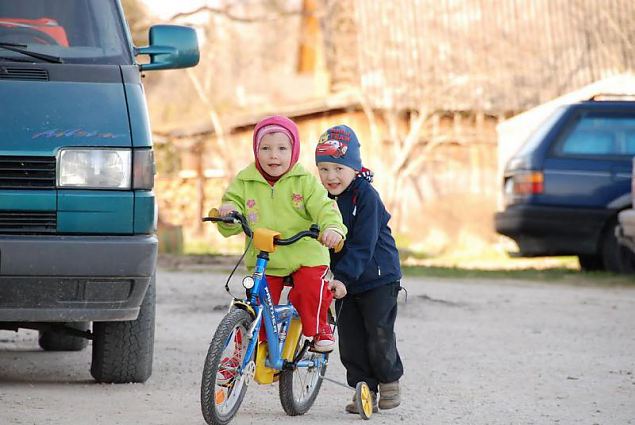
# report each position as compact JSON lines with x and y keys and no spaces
{"x":339,"y":144}
{"x":334,"y":148}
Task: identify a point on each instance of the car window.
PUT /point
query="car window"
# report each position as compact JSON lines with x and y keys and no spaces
{"x":629,"y":142}
{"x":589,"y":142}
{"x":538,"y":135}
{"x":78,"y":31}
{"x":598,"y":135}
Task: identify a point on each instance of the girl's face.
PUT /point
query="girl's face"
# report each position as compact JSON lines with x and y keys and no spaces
{"x":274,"y":154}
{"x":335,"y":177}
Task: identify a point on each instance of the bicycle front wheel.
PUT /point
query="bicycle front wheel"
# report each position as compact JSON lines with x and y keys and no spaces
{"x":224,"y":383}
{"x":300,"y":387}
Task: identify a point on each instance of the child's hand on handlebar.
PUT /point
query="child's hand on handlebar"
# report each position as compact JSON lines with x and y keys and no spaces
{"x":337,"y":288}
{"x":226,"y":209}
{"x":330,"y":238}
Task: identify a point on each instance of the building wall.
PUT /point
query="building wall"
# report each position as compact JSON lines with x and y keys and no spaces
{"x":450,"y":191}
{"x":496,"y":55}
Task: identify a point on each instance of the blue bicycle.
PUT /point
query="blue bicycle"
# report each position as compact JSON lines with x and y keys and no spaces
{"x":236,"y":356}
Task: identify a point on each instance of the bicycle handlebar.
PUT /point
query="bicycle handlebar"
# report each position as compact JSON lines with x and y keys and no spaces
{"x":313,"y":232}
{"x":235,"y":217}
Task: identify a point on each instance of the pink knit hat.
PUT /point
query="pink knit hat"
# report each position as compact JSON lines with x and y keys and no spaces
{"x":270,"y":129}
{"x":277,"y":124}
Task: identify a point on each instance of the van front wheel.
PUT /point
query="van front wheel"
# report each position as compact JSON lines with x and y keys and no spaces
{"x":122,"y":351}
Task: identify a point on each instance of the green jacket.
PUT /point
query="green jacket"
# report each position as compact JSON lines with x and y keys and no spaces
{"x":291,"y":205}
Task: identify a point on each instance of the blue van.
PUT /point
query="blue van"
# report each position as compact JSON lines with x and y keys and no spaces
{"x":77,"y":208}
{"x":564,"y":188}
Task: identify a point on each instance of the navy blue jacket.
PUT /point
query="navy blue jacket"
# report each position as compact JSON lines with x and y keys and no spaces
{"x":370,"y":258}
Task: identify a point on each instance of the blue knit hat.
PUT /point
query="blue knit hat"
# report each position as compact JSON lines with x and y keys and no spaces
{"x":339,"y":144}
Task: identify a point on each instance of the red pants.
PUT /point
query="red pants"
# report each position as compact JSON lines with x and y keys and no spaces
{"x":310,"y":295}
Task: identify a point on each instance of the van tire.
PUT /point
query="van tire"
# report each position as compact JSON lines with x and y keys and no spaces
{"x":122,"y":351}
{"x":57,"y":341}
{"x":616,"y":257}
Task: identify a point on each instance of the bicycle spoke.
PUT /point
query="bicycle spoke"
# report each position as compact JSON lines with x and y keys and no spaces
{"x":225,"y":379}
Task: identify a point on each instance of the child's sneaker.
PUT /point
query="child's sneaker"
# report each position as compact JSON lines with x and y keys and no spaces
{"x":226,"y":371}
{"x":352,"y":406}
{"x":324,"y":341}
{"x":389,"y":395}
{"x":229,"y":365}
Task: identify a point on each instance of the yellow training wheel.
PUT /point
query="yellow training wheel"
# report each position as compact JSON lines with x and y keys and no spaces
{"x":363,"y":400}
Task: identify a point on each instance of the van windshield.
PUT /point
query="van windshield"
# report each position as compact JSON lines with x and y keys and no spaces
{"x":77,"y":31}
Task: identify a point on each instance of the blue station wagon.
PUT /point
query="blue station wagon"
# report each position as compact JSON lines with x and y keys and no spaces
{"x":564,"y":188}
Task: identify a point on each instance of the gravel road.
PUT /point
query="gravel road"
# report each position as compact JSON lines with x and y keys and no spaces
{"x":475,"y":352}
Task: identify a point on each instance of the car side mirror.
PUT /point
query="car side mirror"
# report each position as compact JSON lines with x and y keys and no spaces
{"x":171,"y":47}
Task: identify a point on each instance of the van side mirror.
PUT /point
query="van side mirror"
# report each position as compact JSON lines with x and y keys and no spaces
{"x":171,"y":47}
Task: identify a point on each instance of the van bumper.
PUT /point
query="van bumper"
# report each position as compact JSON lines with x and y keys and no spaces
{"x":74,"y":278}
{"x":546,"y":231}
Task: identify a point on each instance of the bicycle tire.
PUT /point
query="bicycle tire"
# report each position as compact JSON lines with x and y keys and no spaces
{"x":300,"y":387}
{"x":220,"y":402}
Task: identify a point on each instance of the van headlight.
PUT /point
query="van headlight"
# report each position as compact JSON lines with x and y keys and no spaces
{"x":94,"y":168}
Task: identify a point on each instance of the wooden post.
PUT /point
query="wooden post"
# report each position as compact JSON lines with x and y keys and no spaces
{"x":309,"y":38}
{"x":199,"y":150}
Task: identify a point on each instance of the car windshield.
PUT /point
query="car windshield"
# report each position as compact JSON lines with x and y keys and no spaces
{"x":76,"y":31}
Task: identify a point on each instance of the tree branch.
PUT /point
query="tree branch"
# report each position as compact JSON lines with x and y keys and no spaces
{"x":279,"y":14}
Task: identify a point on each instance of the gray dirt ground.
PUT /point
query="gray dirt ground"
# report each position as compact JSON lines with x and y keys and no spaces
{"x":475,"y":352}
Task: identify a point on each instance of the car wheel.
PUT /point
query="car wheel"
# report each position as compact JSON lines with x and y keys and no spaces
{"x":626,"y":259}
{"x":590,"y":263}
{"x":616,"y":257}
{"x":122,"y":351}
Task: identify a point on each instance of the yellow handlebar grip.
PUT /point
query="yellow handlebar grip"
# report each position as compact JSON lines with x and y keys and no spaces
{"x":213,"y":213}
{"x":339,"y":246}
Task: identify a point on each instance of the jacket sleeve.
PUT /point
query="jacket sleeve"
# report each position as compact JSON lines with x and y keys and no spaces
{"x":322,"y":209}
{"x":360,"y":248}
{"x":235,"y":195}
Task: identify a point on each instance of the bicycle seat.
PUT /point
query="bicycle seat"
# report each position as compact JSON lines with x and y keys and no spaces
{"x":288,"y":281}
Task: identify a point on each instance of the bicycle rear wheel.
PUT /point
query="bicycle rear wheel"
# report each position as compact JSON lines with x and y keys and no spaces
{"x":224,"y":384}
{"x":300,"y":387}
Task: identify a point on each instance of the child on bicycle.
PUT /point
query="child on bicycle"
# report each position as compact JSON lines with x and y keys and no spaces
{"x":367,"y":268}
{"x":278,"y":193}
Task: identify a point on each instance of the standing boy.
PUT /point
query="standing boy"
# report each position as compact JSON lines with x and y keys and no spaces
{"x":368,"y":267}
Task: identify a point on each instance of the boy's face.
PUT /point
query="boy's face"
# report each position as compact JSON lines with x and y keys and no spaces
{"x":274,"y":154}
{"x":335,"y":177}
